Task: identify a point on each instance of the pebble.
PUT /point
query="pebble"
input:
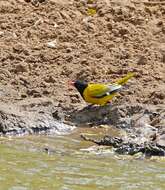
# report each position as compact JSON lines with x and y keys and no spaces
{"x":55,"y":25}
{"x":86,"y":20}
{"x":1,"y":33}
{"x":52,"y":44}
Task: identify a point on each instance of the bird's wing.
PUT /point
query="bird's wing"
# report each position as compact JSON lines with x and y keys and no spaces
{"x":101,"y":90}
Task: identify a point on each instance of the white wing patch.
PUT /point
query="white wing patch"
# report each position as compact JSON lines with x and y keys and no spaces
{"x":110,"y":90}
{"x":114,"y":87}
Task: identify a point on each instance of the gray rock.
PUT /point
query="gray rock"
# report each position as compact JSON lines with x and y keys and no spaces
{"x":160,"y":141}
{"x":30,"y":117}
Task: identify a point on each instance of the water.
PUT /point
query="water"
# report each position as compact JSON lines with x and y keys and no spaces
{"x":26,"y":164}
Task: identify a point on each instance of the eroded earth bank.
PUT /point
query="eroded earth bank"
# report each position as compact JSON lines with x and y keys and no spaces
{"x":43,"y":44}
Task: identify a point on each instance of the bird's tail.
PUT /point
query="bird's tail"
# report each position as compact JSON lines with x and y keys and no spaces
{"x":123,"y":80}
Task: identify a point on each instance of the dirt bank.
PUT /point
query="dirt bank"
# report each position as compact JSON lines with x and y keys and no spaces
{"x":122,"y":36}
{"x":140,"y":127}
{"x":32,"y":116}
{"x":45,"y":43}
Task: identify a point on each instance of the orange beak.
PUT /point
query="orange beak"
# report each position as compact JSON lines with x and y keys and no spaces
{"x":70,"y":83}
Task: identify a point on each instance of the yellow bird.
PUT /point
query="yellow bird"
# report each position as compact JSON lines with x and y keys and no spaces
{"x":98,"y":93}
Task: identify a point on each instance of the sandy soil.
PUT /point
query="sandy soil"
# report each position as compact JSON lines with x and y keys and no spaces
{"x":45,"y":43}
{"x":122,"y":36}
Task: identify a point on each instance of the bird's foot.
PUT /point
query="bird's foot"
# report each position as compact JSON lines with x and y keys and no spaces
{"x":109,"y":103}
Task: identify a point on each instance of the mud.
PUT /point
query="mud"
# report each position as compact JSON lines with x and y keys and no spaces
{"x":35,"y":116}
{"x":43,"y":44}
{"x":130,"y":148}
{"x":144,"y":128}
{"x":122,"y":36}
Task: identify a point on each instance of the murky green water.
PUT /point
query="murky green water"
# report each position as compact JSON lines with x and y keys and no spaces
{"x":24,"y":165}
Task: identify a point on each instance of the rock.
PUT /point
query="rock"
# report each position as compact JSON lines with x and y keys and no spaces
{"x":160,"y":141}
{"x":52,"y":44}
{"x":140,"y":136}
{"x":129,"y":148}
{"x":18,"y":48}
{"x":24,"y":95}
{"x":87,"y":20}
{"x":121,"y":116}
{"x":50,"y":79}
{"x":21,"y":67}
{"x":142,"y":60}
{"x":99,"y":54}
{"x":146,"y":132}
{"x":1,"y":33}
{"x":123,"y":31}
{"x":33,"y":92}
{"x":84,"y":62}
{"x":35,"y":3}
{"x":21,"y":119}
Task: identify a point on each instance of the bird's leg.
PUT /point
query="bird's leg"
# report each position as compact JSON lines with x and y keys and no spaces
{"x":109,"y":103}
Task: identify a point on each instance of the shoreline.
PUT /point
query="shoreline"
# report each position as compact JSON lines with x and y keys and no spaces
{"x":143,"y":125}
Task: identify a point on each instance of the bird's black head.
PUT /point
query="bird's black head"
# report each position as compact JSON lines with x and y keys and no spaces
{"x":80,"y":86}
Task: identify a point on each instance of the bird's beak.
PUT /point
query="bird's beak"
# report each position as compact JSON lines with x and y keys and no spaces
{"x":70,"y":83}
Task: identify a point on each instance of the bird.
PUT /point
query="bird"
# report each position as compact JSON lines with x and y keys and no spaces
{"x":99,"y":93}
